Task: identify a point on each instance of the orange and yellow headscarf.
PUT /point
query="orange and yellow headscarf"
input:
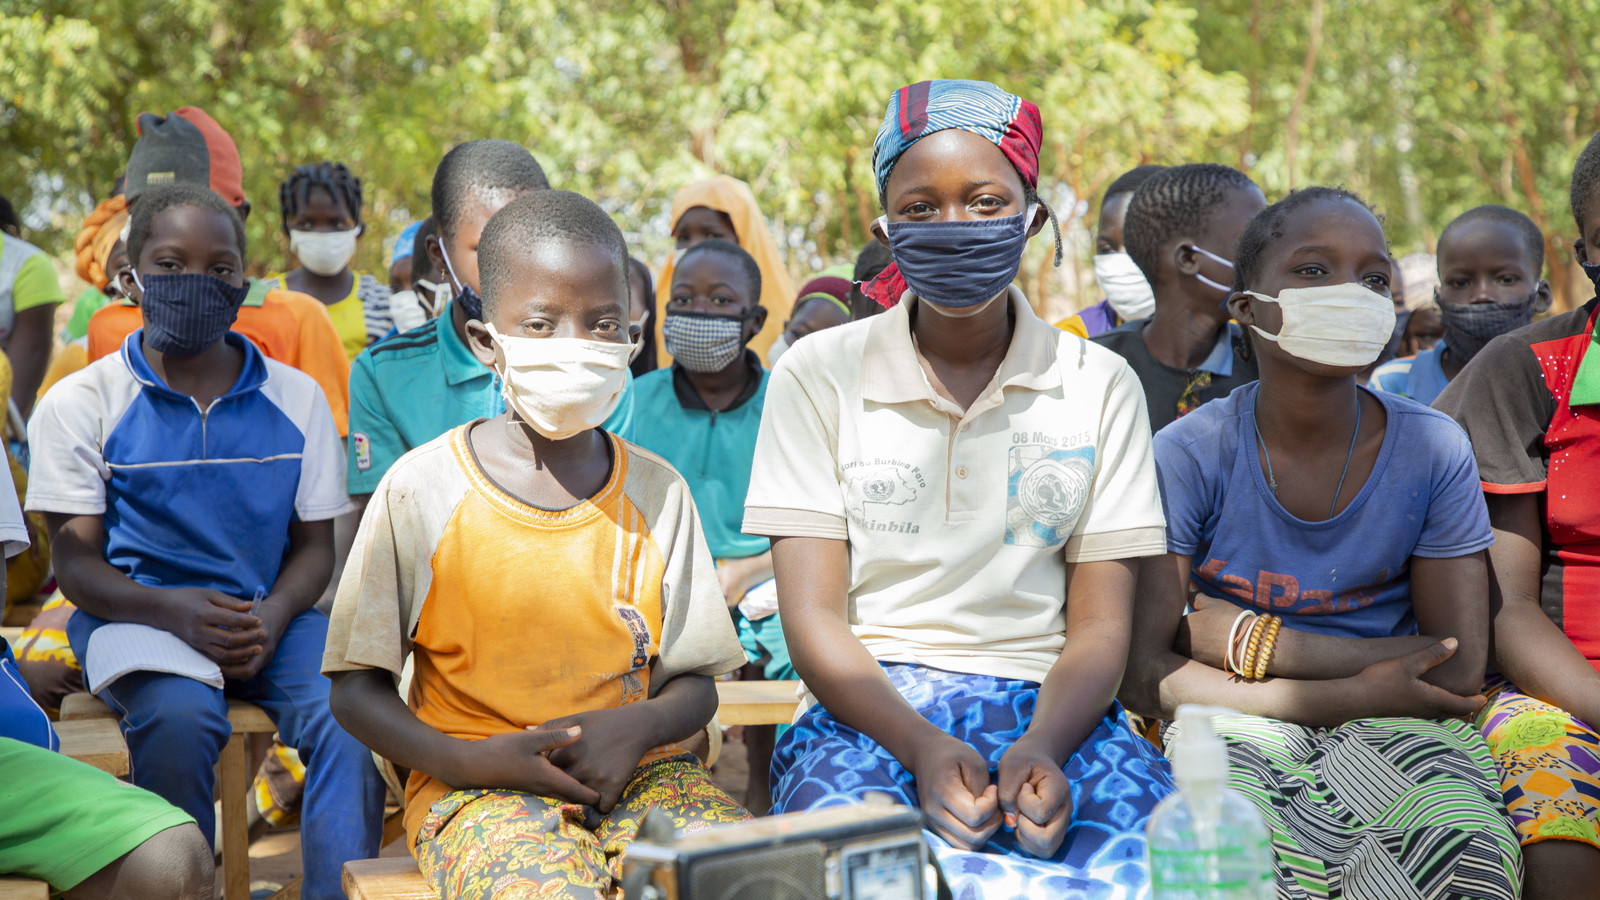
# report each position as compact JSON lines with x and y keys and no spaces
{"x":734,"y":199}
{"x":100,"y":232}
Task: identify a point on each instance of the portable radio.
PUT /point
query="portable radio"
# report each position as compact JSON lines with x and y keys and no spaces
{"x":866,"y":852}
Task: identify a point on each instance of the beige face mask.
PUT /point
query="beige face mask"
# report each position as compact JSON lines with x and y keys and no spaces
{"x":1333,"y":324}
{"x":562,"y":387}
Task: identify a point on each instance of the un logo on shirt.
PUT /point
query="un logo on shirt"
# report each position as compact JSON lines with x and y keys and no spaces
{"x":1046,"y":491}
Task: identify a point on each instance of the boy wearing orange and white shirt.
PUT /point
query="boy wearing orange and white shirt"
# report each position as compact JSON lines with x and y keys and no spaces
{"x":548,"y":705}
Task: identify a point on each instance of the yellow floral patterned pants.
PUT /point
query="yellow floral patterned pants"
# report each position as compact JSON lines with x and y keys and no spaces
{"x":506,"y":845}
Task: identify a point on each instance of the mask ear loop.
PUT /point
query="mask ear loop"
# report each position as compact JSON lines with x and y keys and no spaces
{"x":1031,"y":195}
{"x":1220,"y":260}
{"x":449,"y":270}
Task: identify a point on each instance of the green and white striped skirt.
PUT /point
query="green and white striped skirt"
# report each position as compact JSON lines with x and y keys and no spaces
{"x":1377,"y":808}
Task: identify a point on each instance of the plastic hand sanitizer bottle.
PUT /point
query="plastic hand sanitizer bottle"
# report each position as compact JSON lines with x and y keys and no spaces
{"x":1207,"y":842}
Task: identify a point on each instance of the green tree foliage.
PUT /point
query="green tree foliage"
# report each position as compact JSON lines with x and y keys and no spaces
{"x":1427,"y":108}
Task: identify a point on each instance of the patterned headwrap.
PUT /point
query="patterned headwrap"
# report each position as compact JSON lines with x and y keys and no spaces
{"x":918,"y":110}
{"x":101,"y":229}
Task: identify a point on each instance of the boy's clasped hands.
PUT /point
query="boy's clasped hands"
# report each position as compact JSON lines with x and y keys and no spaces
{"x":587,"y":758}
{"x":222,"y":627}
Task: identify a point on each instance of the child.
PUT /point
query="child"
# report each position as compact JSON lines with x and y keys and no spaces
{"x":955,"y":492}
{"x":1348,"y":527}
{"x":548,"y":702}
{"x":1490,"y":260}
{"x":179,"y":478}
{"x":1127,"y":293}
{"x":400,"y":258}
{"x":321,"y":207}
{"x":1419,"y":280}
{"x":701,"y":415}
{"x":642,"y":312}
{"x":408,"y":391}
{"x":723,"y":208}
{"x":417,"y":300}
{"x":29,"y":295}
{"x":189,"y":147}
{"x":873,"y":259}
{"x":1530,"y":401}
{"x":824,"y":303}
{"x":1180,"y":224}
{"x":69,"y":824}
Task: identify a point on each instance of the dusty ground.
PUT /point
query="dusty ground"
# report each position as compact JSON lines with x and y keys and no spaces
{"x":275,"y":856}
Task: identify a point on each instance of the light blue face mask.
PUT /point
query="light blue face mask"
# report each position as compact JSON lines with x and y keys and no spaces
{"x":959,"y":264}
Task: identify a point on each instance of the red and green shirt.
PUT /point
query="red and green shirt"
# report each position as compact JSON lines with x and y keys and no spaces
{"x":1530,"y":401}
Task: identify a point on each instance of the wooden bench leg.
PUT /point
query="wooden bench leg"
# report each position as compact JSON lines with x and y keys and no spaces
{"x":235,"y":789}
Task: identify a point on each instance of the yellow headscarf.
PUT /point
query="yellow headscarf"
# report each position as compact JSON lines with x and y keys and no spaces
{"x":101,"y":229}
{"x":734,"y":198}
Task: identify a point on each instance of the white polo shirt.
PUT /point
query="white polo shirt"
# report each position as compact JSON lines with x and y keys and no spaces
{"x":960,"y":525}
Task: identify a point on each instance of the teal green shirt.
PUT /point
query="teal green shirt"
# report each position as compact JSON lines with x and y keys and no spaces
{"x":712,"y":450}
{"x":409,"y":389}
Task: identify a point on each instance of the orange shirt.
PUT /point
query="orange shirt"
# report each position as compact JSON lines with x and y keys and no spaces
{"x":287,"y":326}
{"x":514,"y":615}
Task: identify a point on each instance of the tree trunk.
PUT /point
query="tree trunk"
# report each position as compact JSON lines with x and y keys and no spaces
{"x":1303,"y":90}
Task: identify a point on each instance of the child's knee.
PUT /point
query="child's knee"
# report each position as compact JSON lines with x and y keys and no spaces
{"x":175,"y":863}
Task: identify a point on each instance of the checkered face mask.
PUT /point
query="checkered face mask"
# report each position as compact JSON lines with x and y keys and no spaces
{"x":703,"y":342}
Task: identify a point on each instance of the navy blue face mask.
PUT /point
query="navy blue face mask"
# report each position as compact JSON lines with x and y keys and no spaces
{"x":1593,"y":271}
{"x":470,"y":302}
{"x":959,"y":264}
{"x":185,"y":314}
{"x":1468,"y":327}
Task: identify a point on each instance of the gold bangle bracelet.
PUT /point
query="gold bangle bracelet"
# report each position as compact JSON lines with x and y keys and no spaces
{"x":1257,"y":628}
{"x":1268,"y":643}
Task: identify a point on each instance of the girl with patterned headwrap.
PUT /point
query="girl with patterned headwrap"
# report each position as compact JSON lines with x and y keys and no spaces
{"x":957,"y":493}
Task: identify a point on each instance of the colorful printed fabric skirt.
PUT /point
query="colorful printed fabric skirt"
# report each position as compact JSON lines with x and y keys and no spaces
{"x":508,"y":845}
{"x":1378,"y":808}
{"x":1549,"y":765}
{"x":1117,"y":779}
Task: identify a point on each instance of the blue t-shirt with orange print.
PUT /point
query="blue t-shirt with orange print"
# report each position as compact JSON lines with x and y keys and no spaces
{"x":1349,"y":575}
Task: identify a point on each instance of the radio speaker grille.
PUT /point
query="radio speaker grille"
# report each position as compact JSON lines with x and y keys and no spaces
{"x":786,"y":872}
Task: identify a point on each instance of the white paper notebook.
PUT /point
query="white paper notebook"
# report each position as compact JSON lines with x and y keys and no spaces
{"x":123,"y":647}
{"x":761,"y":601}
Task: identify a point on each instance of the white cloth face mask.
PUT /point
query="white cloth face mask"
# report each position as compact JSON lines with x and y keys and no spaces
{"x":1124,"y":285}
{"x":324,"y":252}
{"x":562,"y":386}
{"x":1333,"y":324}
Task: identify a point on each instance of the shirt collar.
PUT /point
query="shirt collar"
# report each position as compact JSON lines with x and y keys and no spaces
{"x":1586,"y":381}
{"x":1220,"y":362}
{"x":460,"y":366}
{"x":258,"y":291}
{"x":689,"y":398}
{"x":890,"y":372}
{"x":252,"y":375}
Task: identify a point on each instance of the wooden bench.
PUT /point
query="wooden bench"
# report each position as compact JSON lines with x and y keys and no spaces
{"x":13,"y":888}
{"x":233,"y":782}
{"x":385,"y":879}
{"x":756,"y":702}
{"x":97,"y":742}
